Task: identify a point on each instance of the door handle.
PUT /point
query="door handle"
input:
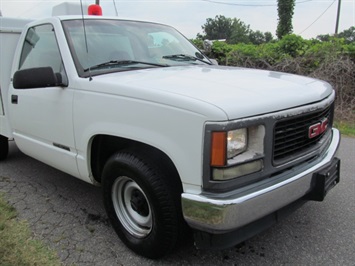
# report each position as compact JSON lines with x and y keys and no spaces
{"x":14,"y":99}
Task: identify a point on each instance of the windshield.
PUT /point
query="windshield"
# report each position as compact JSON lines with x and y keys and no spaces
{"x":120,"y":45}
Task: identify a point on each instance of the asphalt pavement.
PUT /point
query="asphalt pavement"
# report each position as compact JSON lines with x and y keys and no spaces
{"x":68,"y":215}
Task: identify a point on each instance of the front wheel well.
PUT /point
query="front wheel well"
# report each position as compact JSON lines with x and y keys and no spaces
{"x":104,"y":146}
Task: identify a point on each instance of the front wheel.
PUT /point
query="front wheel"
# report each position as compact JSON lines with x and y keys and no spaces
{"x":141,"y":204}
{"x":132,"y":207}
{"x":4,"y":147}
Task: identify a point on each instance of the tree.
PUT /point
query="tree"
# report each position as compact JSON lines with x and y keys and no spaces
{"x":348,"y":35}
{"x":324,"y":37}
{"x":257,"y":37}
{"x":233,"y":31}
{"x":218,"y":28}
{"x":268,"y":36}
{"x":240,"y":32}
{"x":285,"y":12}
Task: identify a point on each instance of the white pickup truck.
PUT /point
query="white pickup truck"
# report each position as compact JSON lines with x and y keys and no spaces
{"x":177,"y":143}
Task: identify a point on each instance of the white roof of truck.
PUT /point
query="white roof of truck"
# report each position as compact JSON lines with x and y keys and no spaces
{"x":12,"y":24}
{"x":69,"y":9}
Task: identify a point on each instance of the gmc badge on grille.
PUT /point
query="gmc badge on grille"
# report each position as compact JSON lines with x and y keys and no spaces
{"x":317,"y":129}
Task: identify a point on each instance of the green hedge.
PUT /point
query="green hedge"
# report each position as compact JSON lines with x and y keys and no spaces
{"x":290,"y":47}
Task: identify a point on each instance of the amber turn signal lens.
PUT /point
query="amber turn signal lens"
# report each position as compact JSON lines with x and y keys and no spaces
{"x":219,"y":149}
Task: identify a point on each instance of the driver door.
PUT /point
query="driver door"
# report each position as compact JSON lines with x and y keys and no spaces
{"x":42,"y":117}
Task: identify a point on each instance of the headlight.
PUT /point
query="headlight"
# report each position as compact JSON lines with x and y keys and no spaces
{"x":227,"y":145}
{"x":237,"y":152}
{"x":236,"y":142}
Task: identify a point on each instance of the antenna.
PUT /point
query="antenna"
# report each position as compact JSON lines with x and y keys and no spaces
{"x":86,"y":41}
{"x":82,"y":17}
{"x":114,"y":3}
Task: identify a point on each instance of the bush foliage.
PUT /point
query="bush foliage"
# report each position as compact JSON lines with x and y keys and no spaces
{"x":332,"y":61}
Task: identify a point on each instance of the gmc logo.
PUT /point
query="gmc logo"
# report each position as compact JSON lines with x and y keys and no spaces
{"x":317,"y":129}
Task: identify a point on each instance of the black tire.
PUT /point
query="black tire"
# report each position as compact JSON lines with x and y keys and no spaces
{"x":4,"y":147}
{"x":141,"y":205}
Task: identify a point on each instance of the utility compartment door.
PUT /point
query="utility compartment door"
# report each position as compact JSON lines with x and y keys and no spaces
{"x":10,"y":30}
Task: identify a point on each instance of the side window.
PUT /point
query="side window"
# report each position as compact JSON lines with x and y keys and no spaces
{"x":41,"y":49}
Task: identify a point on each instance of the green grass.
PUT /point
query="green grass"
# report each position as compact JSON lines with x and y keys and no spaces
{"x":17,"y":247}
{"x":346,"y":128}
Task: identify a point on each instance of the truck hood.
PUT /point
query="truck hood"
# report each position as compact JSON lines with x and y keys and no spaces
{"x":238,"y":92}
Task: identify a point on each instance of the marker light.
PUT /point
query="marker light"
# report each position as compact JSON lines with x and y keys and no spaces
{"x":219,"y":149}
{"x":95,"y":10}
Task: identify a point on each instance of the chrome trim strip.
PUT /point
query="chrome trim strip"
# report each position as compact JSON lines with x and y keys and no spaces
{"x":223,"y":215}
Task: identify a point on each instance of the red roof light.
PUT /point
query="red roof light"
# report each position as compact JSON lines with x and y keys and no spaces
{"x":95,"y":10}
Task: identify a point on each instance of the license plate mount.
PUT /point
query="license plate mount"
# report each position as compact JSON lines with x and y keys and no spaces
{"x":325,"y":180}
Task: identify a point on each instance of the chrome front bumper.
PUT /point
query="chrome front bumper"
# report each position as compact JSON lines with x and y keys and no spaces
{"x":218,"y":214}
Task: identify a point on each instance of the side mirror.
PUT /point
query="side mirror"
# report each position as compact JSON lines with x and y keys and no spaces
{"x":213,"y":61}
{"x":207,"y":46}
{"x":39,"y":77}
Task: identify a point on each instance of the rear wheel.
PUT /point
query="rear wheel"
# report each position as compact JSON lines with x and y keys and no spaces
{"x":141,"y":204}
{"x":4,"y":147}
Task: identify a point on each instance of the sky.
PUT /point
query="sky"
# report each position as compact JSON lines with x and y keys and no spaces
{"x":311,"y":17}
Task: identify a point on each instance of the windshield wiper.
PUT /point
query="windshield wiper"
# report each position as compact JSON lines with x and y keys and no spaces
{"x":122,"y":63}
{"x":185,"y":57}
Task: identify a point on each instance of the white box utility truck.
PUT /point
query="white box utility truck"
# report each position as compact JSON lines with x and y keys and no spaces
{"x":178,"y":144}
